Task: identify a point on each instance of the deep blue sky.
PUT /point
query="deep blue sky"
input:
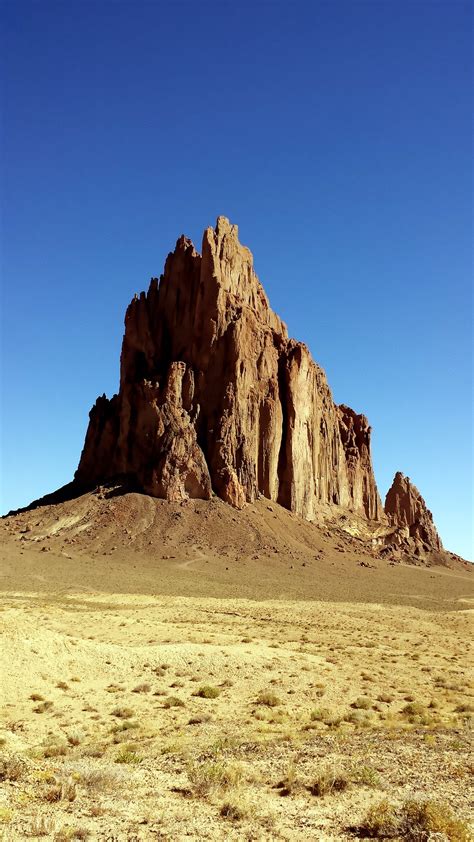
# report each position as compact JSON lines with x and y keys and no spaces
{"x":336,"y":135}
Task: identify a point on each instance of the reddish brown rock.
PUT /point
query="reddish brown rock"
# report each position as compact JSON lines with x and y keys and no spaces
{"x":408,"y":512}
{"x":214,"y":395}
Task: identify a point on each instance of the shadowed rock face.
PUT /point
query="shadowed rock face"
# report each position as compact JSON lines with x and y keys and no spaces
{"x":408,"y":512}
{"x":214,"y":396}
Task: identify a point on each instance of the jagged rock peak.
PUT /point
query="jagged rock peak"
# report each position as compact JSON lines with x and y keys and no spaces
{"x":214,"y":396}
{"x":407,"y":510}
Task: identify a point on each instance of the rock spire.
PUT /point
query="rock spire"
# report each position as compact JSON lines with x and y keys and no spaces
{"x":214,"y":397}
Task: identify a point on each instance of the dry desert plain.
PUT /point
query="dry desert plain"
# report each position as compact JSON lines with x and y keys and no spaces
{"x":183,"y":672}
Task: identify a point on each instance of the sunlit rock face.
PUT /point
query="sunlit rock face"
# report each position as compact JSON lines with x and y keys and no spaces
{"x":408,"y":513}
{"x":215,"y":398}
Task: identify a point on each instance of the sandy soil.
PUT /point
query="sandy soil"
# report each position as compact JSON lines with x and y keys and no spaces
{"x":177,"y":673}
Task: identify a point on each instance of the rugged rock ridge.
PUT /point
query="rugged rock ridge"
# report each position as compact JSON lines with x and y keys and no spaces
{"x":214,"y":396}
{"x":409,"y":514}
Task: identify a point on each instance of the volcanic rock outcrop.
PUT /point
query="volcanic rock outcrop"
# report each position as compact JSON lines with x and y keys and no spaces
{"x":214,"y":397}
{"x":409,"y":514}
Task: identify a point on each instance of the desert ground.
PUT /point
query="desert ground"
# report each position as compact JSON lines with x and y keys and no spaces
{"x":183,"y":672}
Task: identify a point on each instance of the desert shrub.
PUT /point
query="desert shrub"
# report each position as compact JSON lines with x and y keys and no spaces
{"x":319,"y":714}
{"x":290,"y":782}
{"x":173,"y":702}
{"x":98,"y":780}
{"x":234,"y":811}
{"x":128,"y":755}
{"x":268,"y":698}
{"x":12,"y":768}
{"x":327,"y":782}
{"x":142,"y":688}
{"x":74,"y":738}
{"x":365,"y":776}
{"x":40,"y":826}
{"x":200,"y":719}
{"x":464,"y":707}
{"x":43,"y":707}
{"x":414,"y":821}
{"x":362,"y":703}
{"x":363,"y":718}
{"x":122,"y":712}
{"x":67,"y":834}
{"x":413,"y":709}
{"x":421,"y":820}
{"x":64,"y":790}
{"x":207,"y":692}
{"x":385,"y":697}
{"x":125,"y":725}
{"x":208,"y":776}
{"x":54,"y":749}
{"x":380,"y":822}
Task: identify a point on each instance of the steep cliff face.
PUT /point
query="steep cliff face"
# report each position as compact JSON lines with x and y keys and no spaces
{"x":214,"y":396}
{"x":409,"y":514}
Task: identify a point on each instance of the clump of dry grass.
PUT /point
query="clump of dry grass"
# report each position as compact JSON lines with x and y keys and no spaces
{"x":54,"y":749}
{"x":128,"y":755}
{"x":12,"y":768}
{"x":424,"y":819}
{"x":40,"y":826}
{"x":319,"y":714}
{"x":6,"y":815}
{"x":173,"y":702}
{"x":142,"y":688}
{"x":62,"y":790}
{"x":43,"y":707}
{"x":290,"y":781}
{"x":380,"y":822}
{"x":328,"y":781}
{"x":122,"y":712}
{"x":234,"y":810}
{"x":97,"y":779}
{"x":207,"y":692}
{"x":201,"y":719}
{"x":365,"y":776}
{"x":415,"y":821}
{"x":66,"y":834}
{"x":268,"y":698}
{"x":205,"y":777}
{"x":362,"y":703}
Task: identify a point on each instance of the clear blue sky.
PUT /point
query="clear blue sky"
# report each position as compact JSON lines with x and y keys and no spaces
{"x":336,"y":135}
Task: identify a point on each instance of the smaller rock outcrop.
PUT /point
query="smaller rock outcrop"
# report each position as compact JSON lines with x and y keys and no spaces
{"x":409,"y":514}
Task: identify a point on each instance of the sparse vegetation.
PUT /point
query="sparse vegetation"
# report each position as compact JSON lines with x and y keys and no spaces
{"x":423,"y":819}
{"x":362,"y":703}
{"x":414,"y":821}
{"x":211,"y":775}
{"x":207,"y":692}
{"x":234,"y":811}
{"x":43,"y":707}
{"x":268,"y":698}
{"x":328,"y":781}
{"x":12,"y":767}
{"x":173,"y":702}
{"x":123,"y":712}
{"x":128,"y":755}
{"x":380,"y":822}
{"x":142,"y":688}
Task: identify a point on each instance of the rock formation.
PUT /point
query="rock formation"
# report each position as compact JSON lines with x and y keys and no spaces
{"x":214,"y":397}
{"x":409,"y":514}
